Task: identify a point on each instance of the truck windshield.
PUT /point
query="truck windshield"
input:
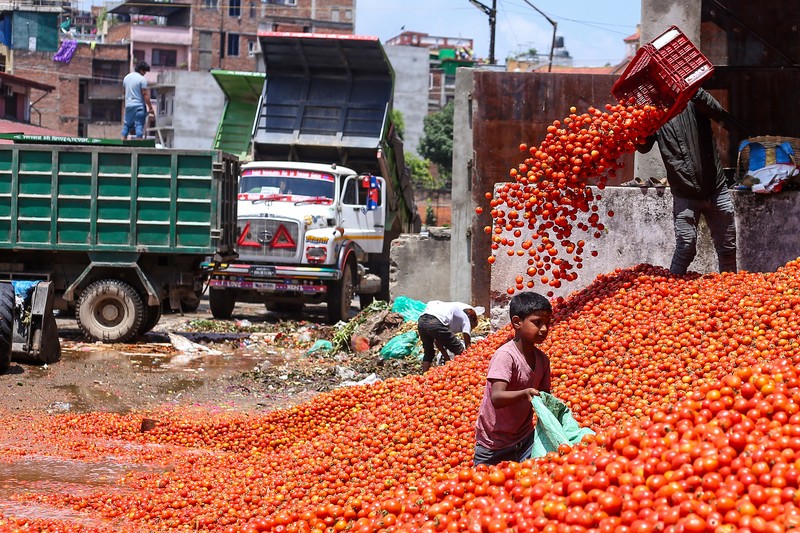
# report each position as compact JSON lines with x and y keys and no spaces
{"x":289,"y":187}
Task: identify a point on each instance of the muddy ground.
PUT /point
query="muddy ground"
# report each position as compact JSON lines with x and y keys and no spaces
{"x":258,"y":360}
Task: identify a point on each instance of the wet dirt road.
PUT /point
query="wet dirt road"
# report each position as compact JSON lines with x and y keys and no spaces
{"x":152,"y":372}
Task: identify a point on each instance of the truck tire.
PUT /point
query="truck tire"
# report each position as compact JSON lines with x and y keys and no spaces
{"x":110,"y":310}
{"x":49,"y":344}
{"x":221,"y":303}
{"x":6,"y":325}
{"x":152,"y":316}
{"x":190,"y":303}
{"x":340,"y":296}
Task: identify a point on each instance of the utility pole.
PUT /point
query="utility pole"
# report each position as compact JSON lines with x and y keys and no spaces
{"x":555,"y":25}
{"x":491,"y":12}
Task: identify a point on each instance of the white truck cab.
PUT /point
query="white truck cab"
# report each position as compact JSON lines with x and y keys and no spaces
{"x":305,"y":232}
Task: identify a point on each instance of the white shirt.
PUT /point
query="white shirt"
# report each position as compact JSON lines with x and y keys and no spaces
{"x":451,"y":314}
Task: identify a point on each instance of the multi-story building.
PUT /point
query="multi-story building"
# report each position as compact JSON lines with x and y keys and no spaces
{"x":189,"y":35}
{"x":446,"y":54}
{"x":200,"y":35}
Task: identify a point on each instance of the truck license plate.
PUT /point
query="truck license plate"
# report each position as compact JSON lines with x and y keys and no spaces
{"x":262,"y":271}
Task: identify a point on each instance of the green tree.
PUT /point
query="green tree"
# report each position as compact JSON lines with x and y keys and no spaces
{"x":396,"y":117}
{"x":430,"y":215}
{"x":421,"y":177}
{"x":437,"y":141}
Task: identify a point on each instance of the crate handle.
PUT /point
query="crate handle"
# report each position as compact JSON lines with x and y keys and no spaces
{"x":665,"y":38}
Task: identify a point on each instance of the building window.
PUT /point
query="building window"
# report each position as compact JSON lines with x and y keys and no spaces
{"x":252,"y":47}
{"x":281,"y":2}
{"x":209,"y":4}
{"x":138,"y":56}
{"x":107,"y":72}
{"x":252,"y":10}
{"x":233,"y":44}
{"x":234,"y":8}
{"x":165,"y":58}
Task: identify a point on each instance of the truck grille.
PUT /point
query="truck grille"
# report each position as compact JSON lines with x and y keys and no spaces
{"x":271,"y":239}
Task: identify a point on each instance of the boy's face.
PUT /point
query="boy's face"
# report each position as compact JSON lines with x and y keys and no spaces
{"x":532,"y":328}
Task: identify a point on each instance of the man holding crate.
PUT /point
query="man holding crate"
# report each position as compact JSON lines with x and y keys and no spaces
{"x":697,"y":182}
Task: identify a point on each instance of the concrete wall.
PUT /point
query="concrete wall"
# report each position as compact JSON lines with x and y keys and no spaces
{"x":420,"y":266}
{"x":410,"y":64}
{"x":197,"y":109}
{"x":641,"y":232}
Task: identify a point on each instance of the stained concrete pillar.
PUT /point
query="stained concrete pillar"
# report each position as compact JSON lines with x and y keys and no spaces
{"x":463,"y":207}
{"x":657,"y":16}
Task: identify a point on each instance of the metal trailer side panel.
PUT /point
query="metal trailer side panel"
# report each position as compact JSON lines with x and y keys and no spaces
{"x":111,"y":199}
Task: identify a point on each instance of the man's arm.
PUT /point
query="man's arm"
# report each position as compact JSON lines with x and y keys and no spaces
{"x":467,"y":340}
{"x":147,"y":101}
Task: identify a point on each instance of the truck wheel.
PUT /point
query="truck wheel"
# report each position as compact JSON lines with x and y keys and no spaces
{"x":191,"y":302}
{"x":152,"y":316}
{"x":221,"y":303}
{"x":6,"y":325}
{"x":340,"y":296}
{"x":110,"y":310}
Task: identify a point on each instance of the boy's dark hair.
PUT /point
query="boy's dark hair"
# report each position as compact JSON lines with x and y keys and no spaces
{"x":526,"y":303}
{"x":142,"y":66}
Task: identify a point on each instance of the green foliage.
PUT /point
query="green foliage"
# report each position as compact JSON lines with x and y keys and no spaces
{"x":430,"y":215}
{"x":437,"y":141}
{"x":396,"y":117}
{"x":421,"y":176}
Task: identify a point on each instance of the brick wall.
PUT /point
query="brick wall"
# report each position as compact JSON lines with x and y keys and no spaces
{"x":255,"y":16}
{"x":59,"y":110}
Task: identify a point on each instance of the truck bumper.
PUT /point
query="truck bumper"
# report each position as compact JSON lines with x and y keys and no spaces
{"x":273,"y":278}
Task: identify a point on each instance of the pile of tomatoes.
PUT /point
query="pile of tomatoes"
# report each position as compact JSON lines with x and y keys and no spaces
{"x":548,"y":197}
{"x":690,"y":383}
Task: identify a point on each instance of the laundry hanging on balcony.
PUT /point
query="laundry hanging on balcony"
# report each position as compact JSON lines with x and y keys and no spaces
{"x":66,"y":51}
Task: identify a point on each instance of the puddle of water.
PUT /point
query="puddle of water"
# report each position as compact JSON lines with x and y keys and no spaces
{"x":49,"y":475}
{"x":88,"y":398}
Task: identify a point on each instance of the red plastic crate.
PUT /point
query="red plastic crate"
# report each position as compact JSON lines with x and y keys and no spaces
{"x":666,"y":72}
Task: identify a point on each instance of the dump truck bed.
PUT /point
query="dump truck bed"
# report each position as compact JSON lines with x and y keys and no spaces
{"x":104,"y":198}
{"x":326,"y":99}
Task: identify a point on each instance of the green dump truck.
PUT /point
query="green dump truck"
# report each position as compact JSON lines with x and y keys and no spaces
{"x":118,"y":231}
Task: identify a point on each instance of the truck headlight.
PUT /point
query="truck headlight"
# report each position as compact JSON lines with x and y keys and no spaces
{"x":316,"y":254}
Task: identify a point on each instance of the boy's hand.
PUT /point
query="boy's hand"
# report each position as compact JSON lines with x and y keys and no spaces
{"x":531,"y":393}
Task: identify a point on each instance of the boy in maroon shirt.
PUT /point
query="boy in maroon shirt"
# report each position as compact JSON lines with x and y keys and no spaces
{"x":518,"y":371}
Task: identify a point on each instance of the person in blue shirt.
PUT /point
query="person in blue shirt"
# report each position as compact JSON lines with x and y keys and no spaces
{"x":137,"y":101}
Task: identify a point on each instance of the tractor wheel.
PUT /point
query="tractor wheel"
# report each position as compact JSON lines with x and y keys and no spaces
{"x":340,"y":296}
{"x":221,"y":303}
{"x":110,"y":310}
{"x":6,"y":325}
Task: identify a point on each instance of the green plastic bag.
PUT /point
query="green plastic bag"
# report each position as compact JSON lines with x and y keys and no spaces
{"x":401,"y":346}
{"x":409,"y":308}
{"x":555,"y":425}
{"x":320,"y":345}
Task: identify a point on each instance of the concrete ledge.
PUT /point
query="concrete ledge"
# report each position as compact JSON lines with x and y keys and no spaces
{"x":420,"y":266}
{"x":641,"y":232}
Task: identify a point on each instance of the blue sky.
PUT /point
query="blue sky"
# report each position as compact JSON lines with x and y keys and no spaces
{"x":592,"y":29}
